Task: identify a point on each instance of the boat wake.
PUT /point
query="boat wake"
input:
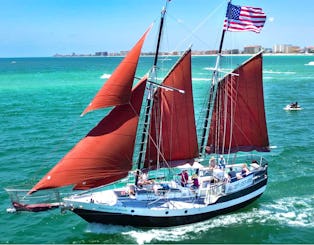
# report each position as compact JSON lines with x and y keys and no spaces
{"x":107,"y":229}
{"x":291,"y":211}
{"x":288,"y":211}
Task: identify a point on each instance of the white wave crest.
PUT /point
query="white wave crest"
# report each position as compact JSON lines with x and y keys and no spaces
{"x":292,"y":211}
{"x":311,"y":63}
{"x":279,"y":72}
{"x":105,"y":76}
{"x":201,"y":79}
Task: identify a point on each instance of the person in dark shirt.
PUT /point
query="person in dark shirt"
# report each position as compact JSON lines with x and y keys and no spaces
{"x":232,"y":175}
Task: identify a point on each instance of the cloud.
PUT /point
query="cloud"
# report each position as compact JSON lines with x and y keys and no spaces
{"x":271,"y":19}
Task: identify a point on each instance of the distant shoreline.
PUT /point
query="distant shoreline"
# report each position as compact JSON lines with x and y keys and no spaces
{"x":168,"y":55}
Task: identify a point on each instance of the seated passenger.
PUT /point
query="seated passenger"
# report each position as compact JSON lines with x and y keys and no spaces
{"x":212,"y":163}
{"x":131,"y":190}
{"x":254,"y":164}
{"x":143,"y":180}
{"x":232,"y":175}
{"x":195,"y":183}
{"x":245,"y":171}
{"x":221,"y":162}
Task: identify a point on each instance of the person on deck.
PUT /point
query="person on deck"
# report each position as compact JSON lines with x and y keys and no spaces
{"x":143,"y":180}
{"x":245,"y":171}
{"x":232,"y":175}
{"x":212,"y":163}
{"x":184,"y":178}
{"x":195,"y":184}
{"x":222,"y":162}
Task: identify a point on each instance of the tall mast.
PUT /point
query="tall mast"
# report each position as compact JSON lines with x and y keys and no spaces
{"x":212,"y":95}
{"x":152,"y":77}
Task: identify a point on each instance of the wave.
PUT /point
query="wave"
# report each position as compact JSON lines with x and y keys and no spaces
{"x":225,"y":70}
{"x":105,"y":76}
{"x":291,"y":211}
{"x":279,"y":72}
{"x":200,"y":79}
{"x":311,"y":63}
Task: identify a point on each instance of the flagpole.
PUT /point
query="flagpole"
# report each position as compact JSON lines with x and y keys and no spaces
{"x":249,"y":24}
{"x":212,"y":93}
{"x":221,"y":44}
{"x":151,"y":79}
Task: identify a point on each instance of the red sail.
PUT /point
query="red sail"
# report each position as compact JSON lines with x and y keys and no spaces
{"x":172,"y":119}
{"x":105,"y":154}
{"x":117,"y":89}
{"x":238,"y":121}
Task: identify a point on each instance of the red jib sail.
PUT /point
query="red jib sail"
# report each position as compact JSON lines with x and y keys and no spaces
{"x":105,"y":154}
{"x":117,"y":89}
{"x":172,"y":121}
{"x":238,"y":121}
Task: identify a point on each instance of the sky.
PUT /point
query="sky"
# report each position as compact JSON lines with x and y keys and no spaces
{"x":42,"y":28}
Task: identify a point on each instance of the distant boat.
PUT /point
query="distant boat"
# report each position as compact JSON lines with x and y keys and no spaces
{"x":293,"y":107}
{"x":127,"y":169}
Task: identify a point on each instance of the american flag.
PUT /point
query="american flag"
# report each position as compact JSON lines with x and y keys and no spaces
{"x":243,"y":18}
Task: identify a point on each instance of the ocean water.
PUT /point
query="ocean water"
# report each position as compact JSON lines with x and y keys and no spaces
{"x":41,"y":101}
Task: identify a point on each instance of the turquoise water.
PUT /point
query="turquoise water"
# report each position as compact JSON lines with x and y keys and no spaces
{"x":41,"y":101}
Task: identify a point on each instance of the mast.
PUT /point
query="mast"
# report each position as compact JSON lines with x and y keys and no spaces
{"x":212,"y":95}
{"x":150,"y":87}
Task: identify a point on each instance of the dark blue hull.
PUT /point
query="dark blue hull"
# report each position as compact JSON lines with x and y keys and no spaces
{"x":93,"y":216}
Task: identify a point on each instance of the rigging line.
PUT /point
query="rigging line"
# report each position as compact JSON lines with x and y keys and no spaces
{"x":158,"y":151}
{"x":156,"y":116}
{"x":151,"y":138}
{"x":232,"y":105}
{"x":222,"y":118}
{"x":193,"y":31}
{"x":217,"y":105}
{"x":225,"y":114}
{"x":160,"y":130}
{"x":155,"y":144}
{"x":171,"y":126}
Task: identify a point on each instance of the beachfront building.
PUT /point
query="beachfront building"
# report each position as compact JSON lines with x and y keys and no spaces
{"x":309,"y":50}
{"x":286,"y":49}
{"x":252,"y":49}
{"x":103,"y":53}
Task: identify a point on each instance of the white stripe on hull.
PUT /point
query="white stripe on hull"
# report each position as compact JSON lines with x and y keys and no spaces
{"x":192,"y":209}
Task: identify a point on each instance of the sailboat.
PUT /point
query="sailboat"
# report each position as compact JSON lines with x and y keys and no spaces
{"x":144,"y":165}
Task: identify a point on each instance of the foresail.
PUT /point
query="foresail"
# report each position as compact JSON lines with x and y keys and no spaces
{"x":172,"y":120}
{"x":105,"y":154}
{"x":238,"y":121}
{"x":117,"y":89}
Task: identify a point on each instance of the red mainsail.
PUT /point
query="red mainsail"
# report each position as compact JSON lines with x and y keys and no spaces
{"x":117,"y":89}
{"x":173,"y":128}
{"x":105,"y":154}
{"x":238,"y":121}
